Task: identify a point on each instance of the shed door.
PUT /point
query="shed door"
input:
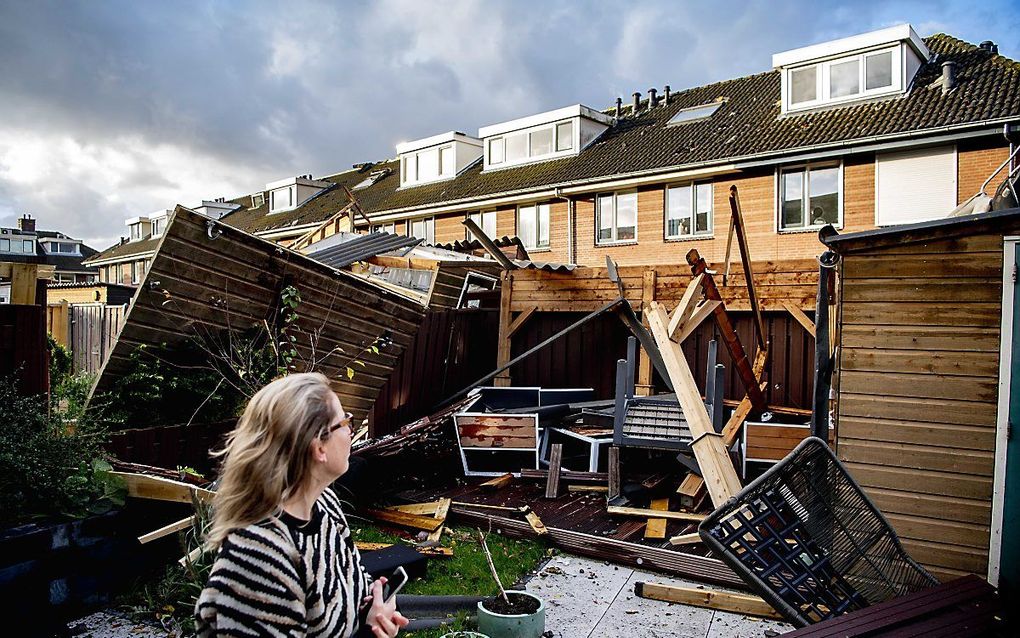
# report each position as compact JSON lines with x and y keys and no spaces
{"x":1009,"y":558}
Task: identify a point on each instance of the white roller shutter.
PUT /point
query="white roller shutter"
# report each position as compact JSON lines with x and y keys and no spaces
{"x":915,"y":186}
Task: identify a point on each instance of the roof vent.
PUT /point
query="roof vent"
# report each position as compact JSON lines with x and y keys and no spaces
{"x":619,"y":106}
{"x":637,"y":102}
{"x":989,"y":46}
{"x":665,"y":97}
{"x":948,"y":77}
{"x":651,"y":98}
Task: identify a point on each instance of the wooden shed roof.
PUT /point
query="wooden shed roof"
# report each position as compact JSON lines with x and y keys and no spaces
{"x":978,"y":224}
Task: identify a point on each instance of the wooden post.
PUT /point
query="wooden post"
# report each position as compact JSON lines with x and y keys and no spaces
{"x":614,"y":472}
{"x":504,"y":340}
{"x":745,"y":259}
{"x":655,"y":528}
{"x":552,"y":484}
{"x":644,"y":386}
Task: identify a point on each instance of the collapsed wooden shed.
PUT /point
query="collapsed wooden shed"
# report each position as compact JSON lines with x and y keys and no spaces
{"x":208,"y":278}
{"x":921,"y":384}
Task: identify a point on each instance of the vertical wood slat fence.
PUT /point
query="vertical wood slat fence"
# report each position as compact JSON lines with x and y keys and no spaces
{"x":23,"y":349}
{"x":87,"y":330}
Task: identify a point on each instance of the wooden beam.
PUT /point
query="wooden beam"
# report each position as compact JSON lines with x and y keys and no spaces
{"x":414,"y":521}
{"x":410,"y":263}
{"x":685,"y":539}
{"x":418,"y":509}
{"x":498,"y":483}
{"x":655,"y":528}
{"x":158,"y":488}
{"x":441,"y":511}
{"x":614,"y":472}
{"x":166,"y":530}
{"x":643,"y":384}
{"x":503,"y":340}
{"x":801,"y":318}
{"x":23,"y":280}
{"x":519,"y":320}
{"x":692,"y":491}
{"x":647,"y":513}
{"x":536,"y":523}
{"x":552,"y":484}
{"x":704,"y":310}
{"x":588,"y":488}
{"x":707,"y":598}
{"x":745,"y":258}
{"x":720,"y":476}
{"x":686,"y":307}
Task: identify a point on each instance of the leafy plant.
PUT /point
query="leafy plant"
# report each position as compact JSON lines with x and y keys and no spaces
{"x":48,"y":469}
{"x":60,"y":361}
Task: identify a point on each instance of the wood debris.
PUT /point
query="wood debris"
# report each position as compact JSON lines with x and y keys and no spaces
{"x":710,"y":599}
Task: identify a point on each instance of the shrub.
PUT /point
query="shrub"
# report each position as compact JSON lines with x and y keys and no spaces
{"x":47,"y":469}
{"x":60,"y":361}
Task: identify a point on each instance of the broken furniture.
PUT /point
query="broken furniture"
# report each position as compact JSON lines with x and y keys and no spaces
{"x":770,"y":442}
{"x":806,"y":539}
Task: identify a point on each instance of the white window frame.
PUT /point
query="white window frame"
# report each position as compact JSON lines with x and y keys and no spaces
{"x":805,"y":195}
{"x":273,"y":208}
{"x":616,"y":225}
{"x":158,"y":227}
{"x":536,"y":209}
{"x":488,"y":283}
{"x":500,"y":142}
{"x":390,"y":228}
{"x":5,"y":244}
{"x":28,"y":246}
{"x":480,"y":218}
{"x":430,"y":229}
{"x":410,"y":165}
{"x":694,"y":234}
{"x":823,"y":76}
{"x":135,"y":231}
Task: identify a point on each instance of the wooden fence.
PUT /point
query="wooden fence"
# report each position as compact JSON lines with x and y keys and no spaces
{"x":87,"y":330}
{"x":23,"y":349}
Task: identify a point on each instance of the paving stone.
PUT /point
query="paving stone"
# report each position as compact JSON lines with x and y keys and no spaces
{"x":726,"y":625}
{"x":636,"y":617}
{"x":577,"y":591}
{"x":104,"y":624}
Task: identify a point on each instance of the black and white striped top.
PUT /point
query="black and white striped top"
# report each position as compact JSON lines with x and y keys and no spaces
{"x":286,"y":577}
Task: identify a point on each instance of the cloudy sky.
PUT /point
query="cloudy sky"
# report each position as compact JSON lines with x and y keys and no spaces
{"x":113,"y":109}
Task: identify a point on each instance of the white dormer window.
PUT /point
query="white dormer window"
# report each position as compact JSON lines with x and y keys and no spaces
{"x":281,"y":199}
{"x":541,"y":137}
{"x":436,"y":158}
{"x":288,"y":194}
{"x":871,"y":65}
{"x":136,"y":232}
{"x":158,"y":226}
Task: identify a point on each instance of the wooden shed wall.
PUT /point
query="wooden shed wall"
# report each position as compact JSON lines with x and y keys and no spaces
{"x":917,"y":380}
{"x":202,"y":285}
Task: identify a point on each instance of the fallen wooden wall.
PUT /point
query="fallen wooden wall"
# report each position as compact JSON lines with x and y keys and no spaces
{"x":225,"y":280}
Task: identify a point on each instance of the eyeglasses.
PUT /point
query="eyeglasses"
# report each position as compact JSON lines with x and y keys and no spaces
{"x":346,"y":422}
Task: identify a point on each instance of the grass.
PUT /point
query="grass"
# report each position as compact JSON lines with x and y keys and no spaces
{"x":169,"y":597}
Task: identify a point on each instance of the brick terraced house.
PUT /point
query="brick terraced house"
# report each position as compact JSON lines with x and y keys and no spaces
{"x":873,"y":130}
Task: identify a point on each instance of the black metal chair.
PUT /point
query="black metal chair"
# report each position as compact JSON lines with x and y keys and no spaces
{"x":806,"y":538}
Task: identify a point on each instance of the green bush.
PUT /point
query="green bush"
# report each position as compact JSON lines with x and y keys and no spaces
{"x":49,"y":468}
{"x":60,"y":361}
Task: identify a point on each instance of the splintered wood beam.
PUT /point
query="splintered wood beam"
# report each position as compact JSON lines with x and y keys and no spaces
{"x":729,"y":335}
{"x":720,"y":600}
{"x":614,"y":472}
{"x":158,"y":488}
{"x":685,"y":539}
{"x":692,"y":491}
{"x":536,"y":523}
{"x":704,"y":310}
{"x":441,"y":511}
{"x":418,"y":509}
{"x":166,"y":530}
{"x":498,"y":483}
{"x":801,"y":318}
{"x":519,"y":320}
{"x":655,"y":528}
{"x":720,"y":477}
{"x":731,"y":430}
{"x":552,"y":485}
{"x":364,"y":546}
{"x":427,"y":523}
{"x":503,"y":340}
{"x":686,"y":307}
{"x":588,"y":488}
{"x":647,"y":513}
{"x":745,"y":258}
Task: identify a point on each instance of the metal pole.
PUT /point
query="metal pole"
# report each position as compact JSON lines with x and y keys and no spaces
{"x":823,"y":362}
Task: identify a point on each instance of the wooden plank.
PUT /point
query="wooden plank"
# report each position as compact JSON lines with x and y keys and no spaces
{"x":709,"y":599}
{"x":687,"y":305}
{"x":614,"y":472}
{"x":958,"y":461}
{"x":801,"y":318}
{"x":951,"y":508}
{"x":929,"y":338}
{"x":496,"y":431}
{"x":948,"y":435}
{"x":503,"y":340}
{"x":704,"y":310}
{"x":498,"y":483}
{"x":921,"y":386}
{"x":692,"y":491}
{"x":519,"y":321}
{"x":655,"y":528}
{"x":980,"y":413}
{"x":922,"y":314}
{"x":976,"y":364}
{"x":162,"y":489}
{"x":923,"y":290}
{"x":419,"y":509}
{"x":924,"y":266}
{"x":643,"y":383}
{"x":745,"y":259}
{"x":441,"y":511}
{"x":617,"y":510}
{"x":913,"y":480}
{"x":166,"y":530}
{"x":552,"y":485}
{"x":685,"y":539}
{"x":587,"y":488}
{"x":536,"y":523}
{"x":23,"y":282}
{"x":426,"y":523}
{"x":720,"y":477}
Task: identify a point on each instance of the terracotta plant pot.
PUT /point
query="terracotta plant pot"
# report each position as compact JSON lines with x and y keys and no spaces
{"x":497,"y":625}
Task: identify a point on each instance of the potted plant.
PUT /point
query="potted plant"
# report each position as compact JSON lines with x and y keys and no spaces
{"x":511,"y":614}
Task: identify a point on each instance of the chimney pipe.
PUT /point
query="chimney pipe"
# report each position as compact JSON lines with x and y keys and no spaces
{"x":619,"y":106}
{"x":637,"y":102}
{"x":665,"y":96}
{"x":989,"y":46}
{"x":948,"y":77}
{"x":651,"y":98}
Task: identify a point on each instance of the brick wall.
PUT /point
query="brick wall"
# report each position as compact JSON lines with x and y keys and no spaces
{"x":975,"y":162}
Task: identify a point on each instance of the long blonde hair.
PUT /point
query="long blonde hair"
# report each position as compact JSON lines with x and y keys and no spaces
{"x":268,"y":455}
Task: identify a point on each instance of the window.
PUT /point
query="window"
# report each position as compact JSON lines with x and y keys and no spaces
{"x":688,"y":210}
{"x":803,"y":85}
{"x":497,"y":149}
{"x":427,"y":165}
{"x":564,"y":136}
{"x":446,"y":161}
{"x":475,"y":287}
{"x":158,"y":225}
{"x":136,"y":232}
{"x":878,"y":71}
{"x":486,"y":220}
{"x":424,"y":229}
{"x":516,"y":147}
{"x":281,"y":199}
{"x":5,"y":245}
{"x":616,"y":215}
{"x":695,"y":113}
{"x":541,"y":142}
{"x":28,"y":246}
{"x":384,"y":228}
{"x":533,"y":226}
{"x":809,"y":197}
{"x":258,"y":199}
{"x":845,"y":78}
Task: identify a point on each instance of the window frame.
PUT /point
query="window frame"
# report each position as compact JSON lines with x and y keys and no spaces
{"x":537,"y":207}
{"x":4,"y":240}
{"x":616,"y":226}
{"x":28,"y":246}
{"x":707,"y":234}
{"x":807,"y":167}
{"x":823,"y":83}
{"x":390,"y":228}
{"x":527,"y":134}
{"x":430,"y":228}
{"x":481,"y":216}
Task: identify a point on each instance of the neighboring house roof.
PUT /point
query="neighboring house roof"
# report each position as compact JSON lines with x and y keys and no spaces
{"x":351,"y":247}
{"x":61,"y":263}
{"x":125,"y":249}
{"x":748,"y":126}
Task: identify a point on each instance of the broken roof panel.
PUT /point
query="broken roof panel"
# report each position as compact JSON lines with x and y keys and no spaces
{"x":348,"y":248}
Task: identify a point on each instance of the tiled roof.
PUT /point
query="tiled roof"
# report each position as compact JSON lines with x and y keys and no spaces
{"x":748,"y":125}
{"x":62,"y":262}
{"x":125,"y":249}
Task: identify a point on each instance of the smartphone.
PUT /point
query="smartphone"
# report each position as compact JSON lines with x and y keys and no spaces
{"x":394,"y":583}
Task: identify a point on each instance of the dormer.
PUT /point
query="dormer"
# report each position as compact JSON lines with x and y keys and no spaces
{"x":157,"y":223}
{"x":862,"y":67}
{"x":542,"y":137}
{"x":436,"y":158}
{"x":288,"y":194}
{"x":139,"y":228}
{"x":216,"y":208}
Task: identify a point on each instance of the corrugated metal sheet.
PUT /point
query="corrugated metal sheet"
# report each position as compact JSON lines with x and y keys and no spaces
{"x":550,"y":266}
{"x":352,"y":247}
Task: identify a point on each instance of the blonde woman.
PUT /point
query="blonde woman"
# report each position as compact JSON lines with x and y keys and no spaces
{"x":286,"y":562}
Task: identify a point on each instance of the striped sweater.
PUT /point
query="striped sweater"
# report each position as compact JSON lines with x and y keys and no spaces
{"x":286,"y":577}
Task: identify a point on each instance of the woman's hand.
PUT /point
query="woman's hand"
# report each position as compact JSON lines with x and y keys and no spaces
{"x":383,"y":617}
